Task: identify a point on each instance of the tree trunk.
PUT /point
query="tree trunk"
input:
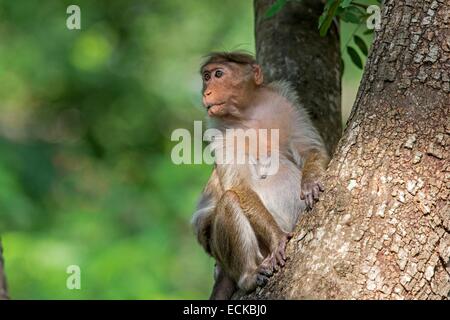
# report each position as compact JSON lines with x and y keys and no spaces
{"x":3,"y":288}
{"x":381,"y":230}
{"x":288,"y":47}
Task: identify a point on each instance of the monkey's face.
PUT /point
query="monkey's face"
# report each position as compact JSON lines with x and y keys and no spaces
{"x":228,"y":87}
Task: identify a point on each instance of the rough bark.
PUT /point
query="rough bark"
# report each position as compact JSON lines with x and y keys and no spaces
{"x":288,"y":47}
{"x":3,"y":288}
{"x":381,"y":230}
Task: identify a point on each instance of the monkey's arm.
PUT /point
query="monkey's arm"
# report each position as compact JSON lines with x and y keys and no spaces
{"x":204,"y":213}
{"x":313,"y":170}
{"x":313,"y":160}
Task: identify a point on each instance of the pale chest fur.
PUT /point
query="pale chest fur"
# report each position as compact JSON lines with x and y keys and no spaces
{"x":274,"y":176}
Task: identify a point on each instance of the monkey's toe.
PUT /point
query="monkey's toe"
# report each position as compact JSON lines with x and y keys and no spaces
{"x":281,"y":259}
{"x":277,"y":259}
{"x":268,"y":265}
{"x":280,"y":252}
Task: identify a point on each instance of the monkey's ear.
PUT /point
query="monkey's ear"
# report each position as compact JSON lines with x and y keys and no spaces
{"x":257,"y":71}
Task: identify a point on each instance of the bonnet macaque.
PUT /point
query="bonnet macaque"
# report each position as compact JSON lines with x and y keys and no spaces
{"x":245,"y":215}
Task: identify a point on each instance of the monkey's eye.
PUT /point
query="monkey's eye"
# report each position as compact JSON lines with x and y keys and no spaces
{"x":206,"y":76}
{"x":218,"y":73}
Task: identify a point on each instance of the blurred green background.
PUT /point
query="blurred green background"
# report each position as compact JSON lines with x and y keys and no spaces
{"x":86,"y":117}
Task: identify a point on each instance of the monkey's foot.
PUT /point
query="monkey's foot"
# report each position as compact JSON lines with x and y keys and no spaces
{"x":274,"y":261}
{"x":310,"y":192}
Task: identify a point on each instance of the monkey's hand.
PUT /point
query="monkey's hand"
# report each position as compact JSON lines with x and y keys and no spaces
{"x":274,"y":261}
{"x":311,"y":188}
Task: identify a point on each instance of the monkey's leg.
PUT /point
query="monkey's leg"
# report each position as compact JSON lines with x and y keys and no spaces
{"x":234,"y":243}
{"x":273,"y":238}
{"x":224,"y":286}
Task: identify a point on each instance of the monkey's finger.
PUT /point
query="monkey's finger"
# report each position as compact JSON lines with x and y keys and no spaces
{"x":283,"y":254}
{"x":302,"y":195}
{"x":321,"y":186}
{"x":305,"y":197}
{"x":276,"y":266}
{"x":280,"y":259}
{"x":316,"y":192}
{"x":269,"y":263}
{"x":273,"y":263}
{"x":310,"y":200}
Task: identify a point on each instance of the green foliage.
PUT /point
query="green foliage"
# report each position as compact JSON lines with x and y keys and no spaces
{"x":329,"y":11}
{"x":354,"y":56}
{"x":361,"y":44}
{"x":86,"y":117}
{"x":345,"y":3}
{"x":349,"y":11}
{"x":352,"y":14}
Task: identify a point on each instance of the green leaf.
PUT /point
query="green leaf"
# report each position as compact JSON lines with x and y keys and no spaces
{"x":275,"y":8}
{"x":345,"y":3}
{"x":325,"y":11}
{"x":349,"y":17}
{"x":355,"y":57}
{"x":327,"y":16}
{"x":361,"y":44}
{"x":368,"y":31}
{"x":352,"y":14}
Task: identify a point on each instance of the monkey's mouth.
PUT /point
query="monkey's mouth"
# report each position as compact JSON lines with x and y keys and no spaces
{"x":214,"y":108}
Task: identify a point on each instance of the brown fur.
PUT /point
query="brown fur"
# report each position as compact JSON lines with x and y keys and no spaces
{"x":226,"y":57}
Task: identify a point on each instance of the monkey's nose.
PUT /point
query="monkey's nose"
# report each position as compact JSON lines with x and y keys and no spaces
{"x":207,"y":93}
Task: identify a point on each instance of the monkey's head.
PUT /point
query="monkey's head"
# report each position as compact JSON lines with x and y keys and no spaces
{"x":229,"y":80}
